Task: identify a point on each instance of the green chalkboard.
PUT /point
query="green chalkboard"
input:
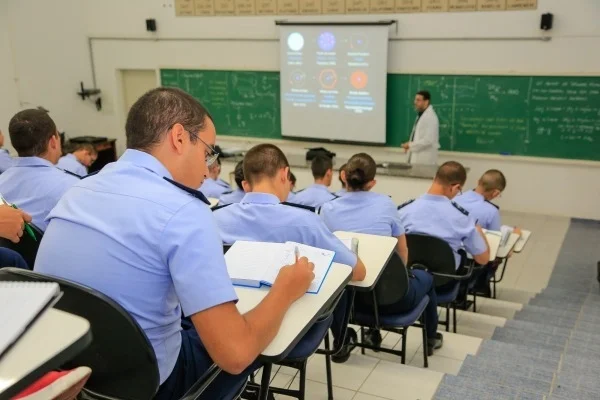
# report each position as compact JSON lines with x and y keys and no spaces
{"x":538,"y":116}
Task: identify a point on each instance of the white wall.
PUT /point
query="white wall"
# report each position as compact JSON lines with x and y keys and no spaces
{"x":9,"y":103}
{"x":50,"y":47}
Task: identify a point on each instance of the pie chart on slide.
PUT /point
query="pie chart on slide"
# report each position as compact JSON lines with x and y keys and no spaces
{"x":295,"y":41}
{"x":359,"y":79}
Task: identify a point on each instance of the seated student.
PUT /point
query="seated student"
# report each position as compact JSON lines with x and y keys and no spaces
{"x":6,"y":161}
{"x":318,"y":193}
{"x":157,"y":250}
{"x":234,"y":196}
{"x":261,"y":216}
{"x":435,"y":214}
{"x":79,"y":160}
{"x":213,"y":186}
{"x":348,"y":212}
{"x":34,"y":183}
{"x":342,"y":178}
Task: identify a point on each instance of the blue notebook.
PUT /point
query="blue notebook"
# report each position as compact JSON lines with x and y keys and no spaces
{"x":256,"y":264}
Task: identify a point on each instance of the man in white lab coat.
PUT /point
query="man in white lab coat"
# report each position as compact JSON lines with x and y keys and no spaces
{"x":424,"y":140}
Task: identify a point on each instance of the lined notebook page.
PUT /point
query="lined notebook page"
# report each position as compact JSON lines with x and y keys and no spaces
{"x":22,"y":302}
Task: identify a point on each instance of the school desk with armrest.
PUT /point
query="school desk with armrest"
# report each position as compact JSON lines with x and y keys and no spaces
{"x":520,"y":245}
{"x":301,"y":316}
{"x":502,"y":257}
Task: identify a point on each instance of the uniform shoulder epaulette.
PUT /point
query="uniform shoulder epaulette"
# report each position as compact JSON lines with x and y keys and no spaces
{"x":224,"y":183}
{"x":459,"y":208}
{"x":298,"y":191}
{"x":72,"y":173}
{"x":302,"y":206}
{"x":489,"y":202}
{"x":228,"y":192}
{"x":405,"y":203}
{"x":196,"y":193}
{"x":221,"y":206}
{"x":92,"y":174}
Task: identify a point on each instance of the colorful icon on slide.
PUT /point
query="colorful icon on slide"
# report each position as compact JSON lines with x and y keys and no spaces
{"x":326,"y":41}
{"x":358,"y":42}
{"x":359,"y":79}
{"x":328,"y":79}
{"x":297,"y":78}
{"x":295,"y":41}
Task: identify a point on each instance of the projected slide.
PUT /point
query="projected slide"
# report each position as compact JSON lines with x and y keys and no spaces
{"x":333,"y":82}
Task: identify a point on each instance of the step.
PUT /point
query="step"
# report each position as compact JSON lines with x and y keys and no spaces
{"x":553,"y":343}
{"x":516,"y":351}
{"x":534,"y":327}
{"x":532,"y":316}
{"x":528,"y":382}
{"x":521,"y":366}
{"x":457,"y":387}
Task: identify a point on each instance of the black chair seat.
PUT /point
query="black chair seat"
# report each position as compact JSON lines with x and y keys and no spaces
{"x":393,"y":320}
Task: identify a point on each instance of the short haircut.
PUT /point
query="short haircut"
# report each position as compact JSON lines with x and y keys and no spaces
{"x":340,"y":174}
{"x":493,"y":179}
{"x":263,"y":161}
{"x":30,"y":131}
{"x":360,"y":170}
{"x":451,"y":173}
{"x":292,"y":178}
{"x":320,"y":165}
{"x":153,"y":114}
{"x":85,"y":146}
{"x":238,"y":173}
{"x":425,"y":93}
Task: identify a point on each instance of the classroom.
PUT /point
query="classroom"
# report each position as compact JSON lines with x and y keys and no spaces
{"x":310,"y":199}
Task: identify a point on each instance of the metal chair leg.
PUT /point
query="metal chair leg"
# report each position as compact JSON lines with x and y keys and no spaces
{"x":328,"y":370}
{"x":302,"y":387}
{"x":425,"y":348}
{"x":264,"y":381}
{"x":362,"y":339}
{"x":447,"y":317}
{"x":404,"y":338}
{"x":454,"y":317}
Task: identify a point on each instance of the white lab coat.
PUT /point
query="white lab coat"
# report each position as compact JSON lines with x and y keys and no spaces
{"x":425,"y":139}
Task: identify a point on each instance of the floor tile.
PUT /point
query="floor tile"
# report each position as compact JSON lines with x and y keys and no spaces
{"x":439,"y":364}
{"x":318,"y":391}
{"x":349,"y":375}
{"x":364,"y":396}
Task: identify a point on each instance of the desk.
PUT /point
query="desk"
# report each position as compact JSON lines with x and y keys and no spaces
{"x":522,"y":241}
{"x":213,"y":201}
{"x":301,"y":315}
{"x":375,"y":252}
{"x":504,"y":251}
{"x":55,"y":338}
{"x":493,"y":239}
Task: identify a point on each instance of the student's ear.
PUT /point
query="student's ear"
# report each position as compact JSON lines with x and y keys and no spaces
{"x":246,"y":186}
{"x":370,"y":185}
{"x":54,"y":142}
{"x":177,"y":137}
{"x":329,"y":173}
{"x":343,"y":175}
{"x":284,"y":174}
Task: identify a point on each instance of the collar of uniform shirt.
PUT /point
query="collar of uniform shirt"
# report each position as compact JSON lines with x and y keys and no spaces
{"x":145,"y":160}
{"x":260,"y":198}
{"x":32,"y":162}
{"x":319,"y":186}
{"x":435,"y":197}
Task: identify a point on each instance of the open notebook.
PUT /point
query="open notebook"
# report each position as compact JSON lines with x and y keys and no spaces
{"x":22,"y":303}
{"x":256,"y":264}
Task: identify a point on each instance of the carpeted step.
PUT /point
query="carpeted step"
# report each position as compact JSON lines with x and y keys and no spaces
{"x":460,"y":388}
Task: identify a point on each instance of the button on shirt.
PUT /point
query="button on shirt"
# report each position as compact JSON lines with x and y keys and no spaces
{"x":231,"y":197}
{"x":484,"y":213}
{"x":364,"y":212}
{"x":315,"y":196}
{"x":71,"y":164}
{"x":261,"y":217}
{"x":35,"y":185}
{"x":145,"y":243}
{"x":436,"y":216}
{"x":6,"y":161}
{"x":214,"y":188}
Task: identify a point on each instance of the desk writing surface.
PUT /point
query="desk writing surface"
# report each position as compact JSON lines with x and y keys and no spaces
{"x":374,"y":251}
{"x":505,"y":250}
{"x":49,"y":339}
{"x":213,"y":202}
{"x":493,"y":238}
{"x":301,"y":314}
{"x":522,"y":241}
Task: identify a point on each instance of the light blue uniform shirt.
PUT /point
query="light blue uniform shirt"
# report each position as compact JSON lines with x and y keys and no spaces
{"x":341,"y":192}
{"x":234,"y":196}
{"x":70,"y":163}
{"x":314,"y":196}
{"x":214,"y":188}
{"x":142,"y":241}
{"x":363,"y":212}
{"x":437,"y":216}
{"x":6,"y":161}
{"x":35,"y":185}
{"x":261,"y":217}
{"x":485,"y":213}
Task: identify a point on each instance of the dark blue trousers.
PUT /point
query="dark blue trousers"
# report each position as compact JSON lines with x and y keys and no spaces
{"x":10,"y":258}
{"x":192,"y":363}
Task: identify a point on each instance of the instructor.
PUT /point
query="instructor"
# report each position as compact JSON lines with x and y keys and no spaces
{"x":424,"y":140}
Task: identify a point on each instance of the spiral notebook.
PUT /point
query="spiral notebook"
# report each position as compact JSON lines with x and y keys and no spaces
{"x":22,"y":303}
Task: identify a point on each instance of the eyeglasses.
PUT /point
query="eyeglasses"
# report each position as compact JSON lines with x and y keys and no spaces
{"x":214,"y":154}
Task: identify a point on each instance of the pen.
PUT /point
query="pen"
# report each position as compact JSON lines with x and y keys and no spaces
{"x":28,"y":228}
{"x":297,"y":252}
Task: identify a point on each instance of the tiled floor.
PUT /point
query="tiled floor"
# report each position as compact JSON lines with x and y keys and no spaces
{"x":380,"y":376}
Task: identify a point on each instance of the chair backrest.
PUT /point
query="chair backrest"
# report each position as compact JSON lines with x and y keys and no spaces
{"x":122,"y":360}
{"x":27,"y":247}
{"x":391,"y":287}
{"x":432,"y":253}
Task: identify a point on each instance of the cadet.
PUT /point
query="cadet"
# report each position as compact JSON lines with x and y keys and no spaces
{"x":79,"y":160}
{"x":261,"y":216}
{"x":157,"y":251}
{"x":318,"y":193}
{"x":348,"y":213}
{"x":342,"y":178}
{"x":34,"y":183}
{"x":234,"y":196}
{"x":6,"y":161}
{"x":213,"y":186}
{"x":435,"y":214}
